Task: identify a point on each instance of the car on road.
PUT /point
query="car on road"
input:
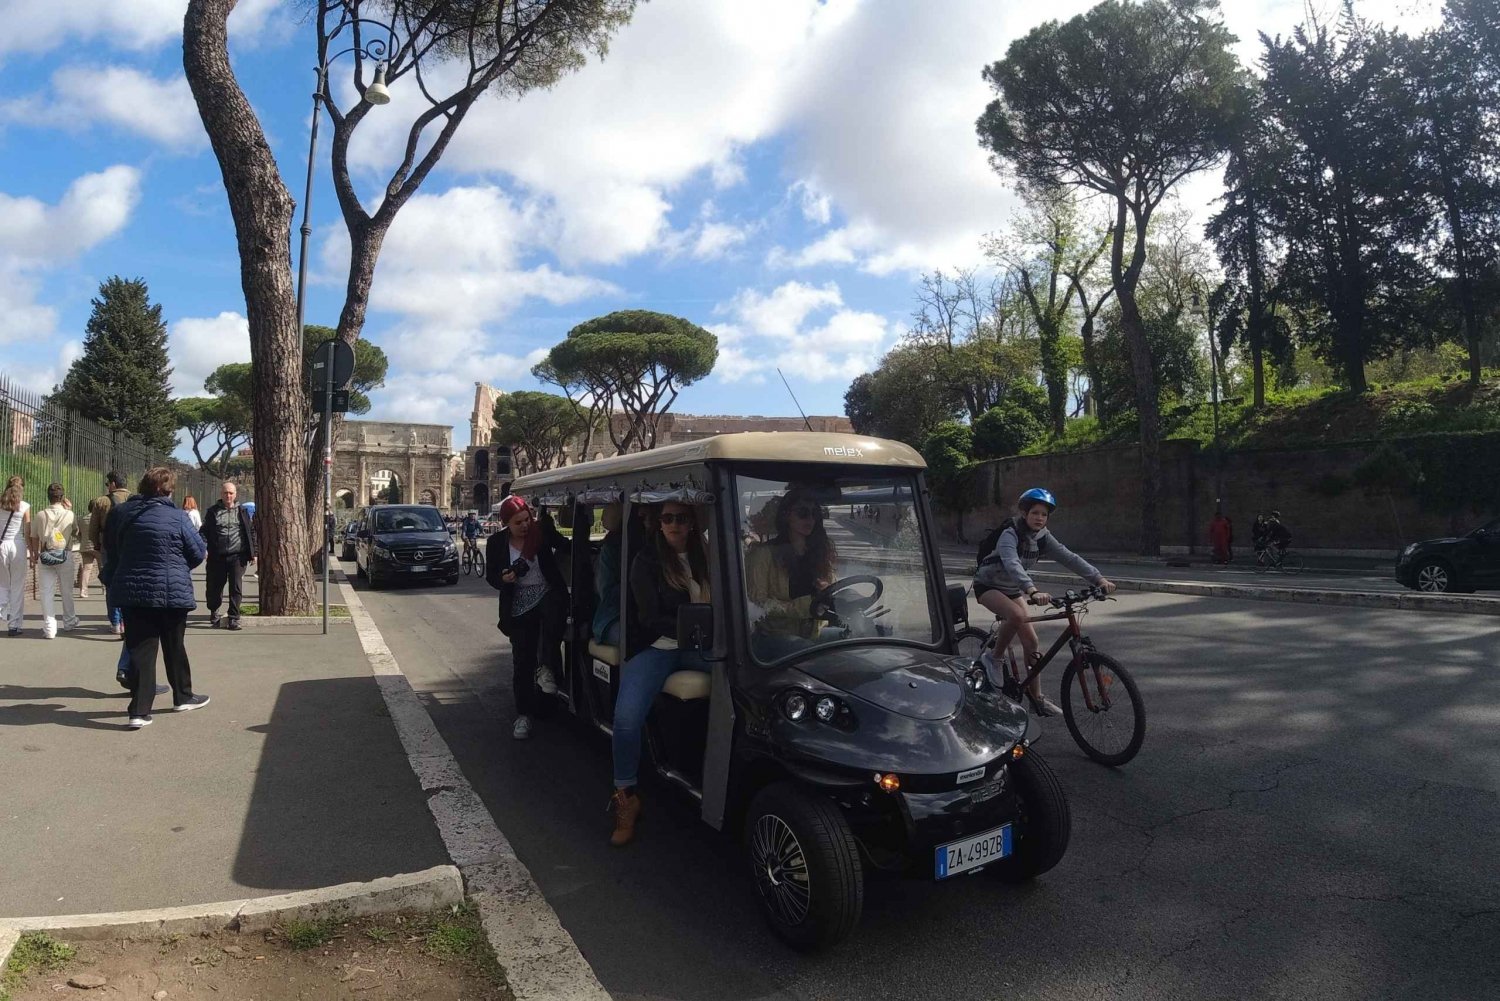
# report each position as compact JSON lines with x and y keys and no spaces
{"x":864,"y":745}
{"x":1461,"y":563}
{"x":348,"y":537}
{"x":404,"y":542}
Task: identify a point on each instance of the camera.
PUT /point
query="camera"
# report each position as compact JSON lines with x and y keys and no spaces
{"x":519,"y":567}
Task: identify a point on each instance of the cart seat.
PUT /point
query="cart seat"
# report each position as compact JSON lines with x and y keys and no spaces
{"x":687,"y":685}
{"x":609,"y":654}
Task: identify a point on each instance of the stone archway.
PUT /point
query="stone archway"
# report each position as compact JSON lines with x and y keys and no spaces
{"x":343,"y":499}
{"x":482,"y":498}
{"x":386,"y":487}
{"x":428,"y":498}
{"x":371,"y":455}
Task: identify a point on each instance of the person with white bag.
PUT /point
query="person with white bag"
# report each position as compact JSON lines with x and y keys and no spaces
{"x":15,"y":520}
{"x":54,"y":536}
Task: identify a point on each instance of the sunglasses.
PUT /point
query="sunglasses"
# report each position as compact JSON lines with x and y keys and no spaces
{"x":675,"y":518}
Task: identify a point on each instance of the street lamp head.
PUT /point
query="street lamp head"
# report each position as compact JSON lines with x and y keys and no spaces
{"x":377,"y":92}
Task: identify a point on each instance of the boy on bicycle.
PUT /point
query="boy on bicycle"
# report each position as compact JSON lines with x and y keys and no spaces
{"x":1003,"y":580}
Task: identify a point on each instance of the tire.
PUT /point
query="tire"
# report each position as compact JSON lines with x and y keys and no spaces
{"x":478,"y":564}
{"x":467,"y":564}
{"x":1044,"y":825}
{"x":1113,"y":736}
{"x":805,"y":866}
{"x":451,"y":580}
{"x":1291,"y":562}
{"x":376,"y":583}
{"x":970,"y":642}
{"x":359,"y":571}
{"x":1434,"y":577}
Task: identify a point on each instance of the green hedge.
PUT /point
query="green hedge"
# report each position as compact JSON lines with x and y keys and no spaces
{"x":1452,"y":472}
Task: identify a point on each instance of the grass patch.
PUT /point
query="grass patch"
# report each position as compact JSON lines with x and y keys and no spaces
{"x":379,"y":934}
{"x":334,"y":611}
{"x":36,"y":952}
{"x":458,"y":935}
{"x":308,"y":934}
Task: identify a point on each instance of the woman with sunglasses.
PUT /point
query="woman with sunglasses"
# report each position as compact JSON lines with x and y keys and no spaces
{"x":783,"y":574}
{"x":521,"y":563}
{"x":670,"y":571}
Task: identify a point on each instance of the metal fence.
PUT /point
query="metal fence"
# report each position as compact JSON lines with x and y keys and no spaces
{"x":45,"y":443}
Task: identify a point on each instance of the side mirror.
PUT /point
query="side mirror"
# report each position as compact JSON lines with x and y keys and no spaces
{"x":958,"y":603}
{"x":695,"y":628}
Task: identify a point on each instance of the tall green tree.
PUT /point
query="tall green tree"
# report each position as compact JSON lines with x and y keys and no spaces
{"x":1458,"y":162}
{"x":1344,"y":195}
{"x":538,"y":426}
{"x":123,"y":378}
{"x":1126,"y":100}
{"x":948,"y":449}
{"x":634,"y":359}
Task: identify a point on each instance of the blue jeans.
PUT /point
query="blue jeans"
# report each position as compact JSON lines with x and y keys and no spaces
{"x":641,"y":680}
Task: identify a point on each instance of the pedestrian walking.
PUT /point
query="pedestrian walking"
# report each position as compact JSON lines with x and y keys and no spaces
{"x":190,"y":508}
{"x":15,"y":553}
{"x":88,"y":553}
{"x":151,"y":550}
{"x":54,"y":537}
{"x":114,"y":495}
{"x":229,"y":531}
{"x":328,"y":530}
{"x":1221,"y":537}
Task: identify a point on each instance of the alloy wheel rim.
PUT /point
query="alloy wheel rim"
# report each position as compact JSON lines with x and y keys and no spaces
{"x":1432,"y":578}
{"x":780,"y":867}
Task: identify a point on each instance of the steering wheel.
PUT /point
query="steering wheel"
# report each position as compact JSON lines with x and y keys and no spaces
{"x":829,"y":597}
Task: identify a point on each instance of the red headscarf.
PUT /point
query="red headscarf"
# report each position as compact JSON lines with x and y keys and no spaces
{"x":509,"y":508}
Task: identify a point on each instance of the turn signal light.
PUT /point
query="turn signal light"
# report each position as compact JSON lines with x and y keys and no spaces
{"x":888,"y":783}
{"x":1018,"y":750}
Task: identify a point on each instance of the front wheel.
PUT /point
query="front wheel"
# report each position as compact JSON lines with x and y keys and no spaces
{"x":1291,"y":562}
{"x":969,"y":642}
{"x":1103,"y":709}
{"x":1044,"y":823}
{"x":806,"y":867}
{"x":1434,"y":577}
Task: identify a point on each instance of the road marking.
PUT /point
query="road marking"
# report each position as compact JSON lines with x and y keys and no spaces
{"x":541,"y":960}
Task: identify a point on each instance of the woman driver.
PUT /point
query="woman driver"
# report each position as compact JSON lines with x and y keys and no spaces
{"x":782,"y":575}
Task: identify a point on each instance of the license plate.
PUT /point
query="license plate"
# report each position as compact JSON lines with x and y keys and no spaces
{"x":971,"y":853}
{"x":419,"y":569}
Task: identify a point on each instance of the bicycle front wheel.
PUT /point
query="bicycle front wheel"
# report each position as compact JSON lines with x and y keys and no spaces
{"x":1291,"y":562}
{"x":478,"y":563}
{"x":970,"y":643}
{"x":1103,"y":709}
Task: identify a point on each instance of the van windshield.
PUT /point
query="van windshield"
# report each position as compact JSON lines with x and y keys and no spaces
{"x":409,"y":519}
{"x":830,"y":556}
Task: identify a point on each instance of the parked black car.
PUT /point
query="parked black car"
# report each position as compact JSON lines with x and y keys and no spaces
{"x":404,"y":542}
{"x":348,"y":536}
{"x":1466,"y":563}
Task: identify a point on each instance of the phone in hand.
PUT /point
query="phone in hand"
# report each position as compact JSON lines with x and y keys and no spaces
{"x":519,"y":567}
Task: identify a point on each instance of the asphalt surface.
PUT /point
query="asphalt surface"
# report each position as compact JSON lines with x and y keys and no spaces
{"x":1313,"y":814}
{"x":291,"y":778}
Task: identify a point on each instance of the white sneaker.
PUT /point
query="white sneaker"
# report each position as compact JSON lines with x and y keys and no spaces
{"x":991,"y":669}
{"x":136,"y":722}
{"x":1045,"y":707}
{"x":522,"y":729}
{"x":545,"y":681}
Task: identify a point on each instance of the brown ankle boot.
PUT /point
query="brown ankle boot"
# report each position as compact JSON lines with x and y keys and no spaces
{"x":627,"y":809}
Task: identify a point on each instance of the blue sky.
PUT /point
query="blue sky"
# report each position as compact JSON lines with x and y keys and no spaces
{"x":779,"y":171}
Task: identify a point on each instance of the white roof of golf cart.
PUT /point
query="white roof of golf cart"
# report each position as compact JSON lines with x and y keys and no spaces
{"x":750,"y":446}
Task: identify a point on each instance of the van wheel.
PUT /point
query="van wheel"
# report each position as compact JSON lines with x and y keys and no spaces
{"x":1044,"y":824}
{"x":806,"y":867}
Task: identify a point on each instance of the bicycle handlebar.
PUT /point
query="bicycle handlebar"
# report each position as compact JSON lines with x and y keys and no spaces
{"x":1070,"y":598}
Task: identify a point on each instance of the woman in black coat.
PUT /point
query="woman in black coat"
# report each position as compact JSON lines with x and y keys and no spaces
{"x":521,"y":563}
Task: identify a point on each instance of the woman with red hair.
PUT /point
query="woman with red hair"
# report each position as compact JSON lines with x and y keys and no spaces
{"x":521,"y":563}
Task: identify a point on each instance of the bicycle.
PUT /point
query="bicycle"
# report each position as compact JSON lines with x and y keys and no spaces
{"x":1101,"y":704}
{"x":1274,"y":558}
{"x":473,"y":561}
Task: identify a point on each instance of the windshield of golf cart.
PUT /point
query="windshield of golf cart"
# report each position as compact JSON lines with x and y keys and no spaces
{"x":832,"y":555}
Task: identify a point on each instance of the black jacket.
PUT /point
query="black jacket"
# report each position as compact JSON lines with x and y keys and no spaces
{"x":218,"y":546}
{"x":653,"y":612}
{"x":497,"y":561}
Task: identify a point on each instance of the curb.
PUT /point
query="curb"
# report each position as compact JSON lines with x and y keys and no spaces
{"x":440,"y":886}
{"x":316,"y":621}
{"x":1301,"y":596}
{"x":541,"y":960}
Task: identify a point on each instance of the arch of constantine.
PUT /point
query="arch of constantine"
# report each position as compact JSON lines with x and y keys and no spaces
{"x":376,"y":461}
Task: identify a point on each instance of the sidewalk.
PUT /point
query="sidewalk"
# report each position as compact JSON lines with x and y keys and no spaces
{"x":292,"y":778}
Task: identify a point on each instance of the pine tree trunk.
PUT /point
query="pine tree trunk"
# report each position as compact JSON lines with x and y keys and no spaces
{"x":262,"y":212}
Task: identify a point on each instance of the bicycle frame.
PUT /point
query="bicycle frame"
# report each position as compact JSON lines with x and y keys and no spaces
{"x":1073,"y":637}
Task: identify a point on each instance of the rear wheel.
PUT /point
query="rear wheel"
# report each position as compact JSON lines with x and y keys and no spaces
{"x":806,"y":867}
{"x":1434,"y":577}
{"x":1103,"y":709}
{"x":970,"y":643}
{"x":1043,"y":825}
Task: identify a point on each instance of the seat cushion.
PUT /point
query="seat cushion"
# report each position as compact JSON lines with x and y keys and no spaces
{"x":687,"y":685}
{"x":609,"y":654}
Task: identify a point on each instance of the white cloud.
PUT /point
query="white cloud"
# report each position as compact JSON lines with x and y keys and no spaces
{"x":198,"y":345}
{"x":772,"y":329}
{"x":83,"y":96}
{"x":43,"y":25}
{"x":715,"y":239}
{"x":42,"y":378}
{"x":35,"y":237}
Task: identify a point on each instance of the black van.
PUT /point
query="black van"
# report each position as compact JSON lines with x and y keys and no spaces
{"x":404,"y":542}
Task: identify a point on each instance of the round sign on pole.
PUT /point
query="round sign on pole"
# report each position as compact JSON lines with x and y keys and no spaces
{"x":338,"y":354}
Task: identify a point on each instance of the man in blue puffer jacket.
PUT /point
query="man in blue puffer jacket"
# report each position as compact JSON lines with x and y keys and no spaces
{"x":150,"y":554}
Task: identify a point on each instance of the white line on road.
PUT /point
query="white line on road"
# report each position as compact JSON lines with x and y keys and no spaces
{"x":541,"y":960}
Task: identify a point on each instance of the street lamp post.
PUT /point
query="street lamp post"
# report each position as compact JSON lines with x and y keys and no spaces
{"x":377,"y":49}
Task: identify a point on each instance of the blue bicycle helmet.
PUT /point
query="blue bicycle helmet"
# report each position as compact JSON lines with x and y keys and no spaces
{"x":1037,"y":494}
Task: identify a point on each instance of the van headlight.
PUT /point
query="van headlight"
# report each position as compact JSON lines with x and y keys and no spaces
{"x":383,"y":552}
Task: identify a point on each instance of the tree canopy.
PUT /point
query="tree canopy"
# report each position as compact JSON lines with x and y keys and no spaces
{"x":634,"y":359}
{"x":122,"y":380}
{"x":538,"y":426}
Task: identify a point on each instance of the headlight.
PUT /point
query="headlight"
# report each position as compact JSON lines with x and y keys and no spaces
{"x":382,"y":552}
{"x":795,"y":707}
{"x":826,"y":709}
{"x":450,"y":550}
{"x":1408,"y":550}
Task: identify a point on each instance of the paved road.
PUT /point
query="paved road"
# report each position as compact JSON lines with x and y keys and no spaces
{"x":1313,"y":815}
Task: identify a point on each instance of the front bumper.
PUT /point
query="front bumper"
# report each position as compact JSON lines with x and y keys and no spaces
{"x":898,"y":832}
{"x":445,"y":567}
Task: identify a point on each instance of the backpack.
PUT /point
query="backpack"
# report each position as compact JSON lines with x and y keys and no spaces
{"x":986,"y":552}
